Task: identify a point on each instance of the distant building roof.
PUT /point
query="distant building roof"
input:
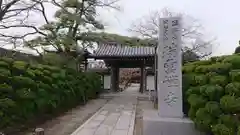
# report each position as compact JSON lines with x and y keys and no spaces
{"x":106,"y":50}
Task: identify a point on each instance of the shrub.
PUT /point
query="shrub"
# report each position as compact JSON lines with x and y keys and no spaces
{"x":7,"y":59}
{"x":4,"y":64}
{"x":203,"y":120}
{"x":221,"y":129}
{"x":220,"y":68}
{"x":218,"y":80}
{"x":22,"y":82}
{"x":230,"y":104}
{"x":233,"y":88}
{"x":211,"y":91}
{"x":213,"y":108}
{"x":200,"y":80}
{"x":201,"y":69}
{"x":234,"y":60}
{"x":188,"y":68}
{"x":202,"y":62}
{"x":235,"y":75}
{"x":30,"y":91}
{"x":229,"y":120}
{"x":5,"y":72}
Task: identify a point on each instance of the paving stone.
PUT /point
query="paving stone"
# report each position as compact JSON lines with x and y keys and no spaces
{"x":93,"y":124}
{"x":100,"y":117}
{"x":133,"y":119}
{"x":132,"y":122}
{"x":123,"y":122}
{"x":127,"y":112}
{"x":104,"y":112}
{"x":120,"y":132}
{"x":129,"y":107}
{"x":131,"y":130}
{"x":86,"y":131}
{"x":115,"y":118}
{"x":112,"y":119}
{"x":104,"y":130}
{"x":121,"y":106}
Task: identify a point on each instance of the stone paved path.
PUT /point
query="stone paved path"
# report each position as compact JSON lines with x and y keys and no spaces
{"x":117,"y":117}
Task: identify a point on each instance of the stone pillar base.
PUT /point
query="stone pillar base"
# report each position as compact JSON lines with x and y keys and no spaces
{"x":153,"y":124}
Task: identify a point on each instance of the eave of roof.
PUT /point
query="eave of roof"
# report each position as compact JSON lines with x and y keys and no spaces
{"x":118,"y":51}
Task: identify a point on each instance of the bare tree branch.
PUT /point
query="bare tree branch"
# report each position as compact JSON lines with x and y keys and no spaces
{"x":5,"y":7}
{"x":192,"y":30}
{"x":15,"y":15}
{"x":22,"y":26}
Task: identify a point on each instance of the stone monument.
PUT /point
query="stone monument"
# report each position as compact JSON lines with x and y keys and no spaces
{"x":168,"y":119}
{"x":170,"y":71}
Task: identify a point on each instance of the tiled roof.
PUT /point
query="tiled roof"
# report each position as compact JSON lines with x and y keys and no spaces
{"x":107,"y":50}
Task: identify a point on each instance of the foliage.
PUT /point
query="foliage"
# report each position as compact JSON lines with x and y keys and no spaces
{"x":128,"y":75}
{"x":61,"y":60}
{"x":212,"y":94}
{"x":123,"y":40}
{"x":237,"y":50}
{"x":30,"y":91}
{"x":189,"y":56}
{"x":74,"y":20}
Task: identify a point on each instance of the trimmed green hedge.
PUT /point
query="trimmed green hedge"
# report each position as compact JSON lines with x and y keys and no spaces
{"x":29,"y":91}
{"x":212,"y":94}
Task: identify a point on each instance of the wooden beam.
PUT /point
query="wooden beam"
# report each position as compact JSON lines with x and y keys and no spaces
{"x":129,"y":63}
{"x":143,"y":77}
{"x":114,"y":78}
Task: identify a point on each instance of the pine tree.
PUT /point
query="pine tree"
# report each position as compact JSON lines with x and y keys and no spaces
{"x":74,"y":20}
{"x":237,"y":50}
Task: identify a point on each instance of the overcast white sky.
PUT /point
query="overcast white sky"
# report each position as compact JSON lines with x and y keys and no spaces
{"x":219,"y":17}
